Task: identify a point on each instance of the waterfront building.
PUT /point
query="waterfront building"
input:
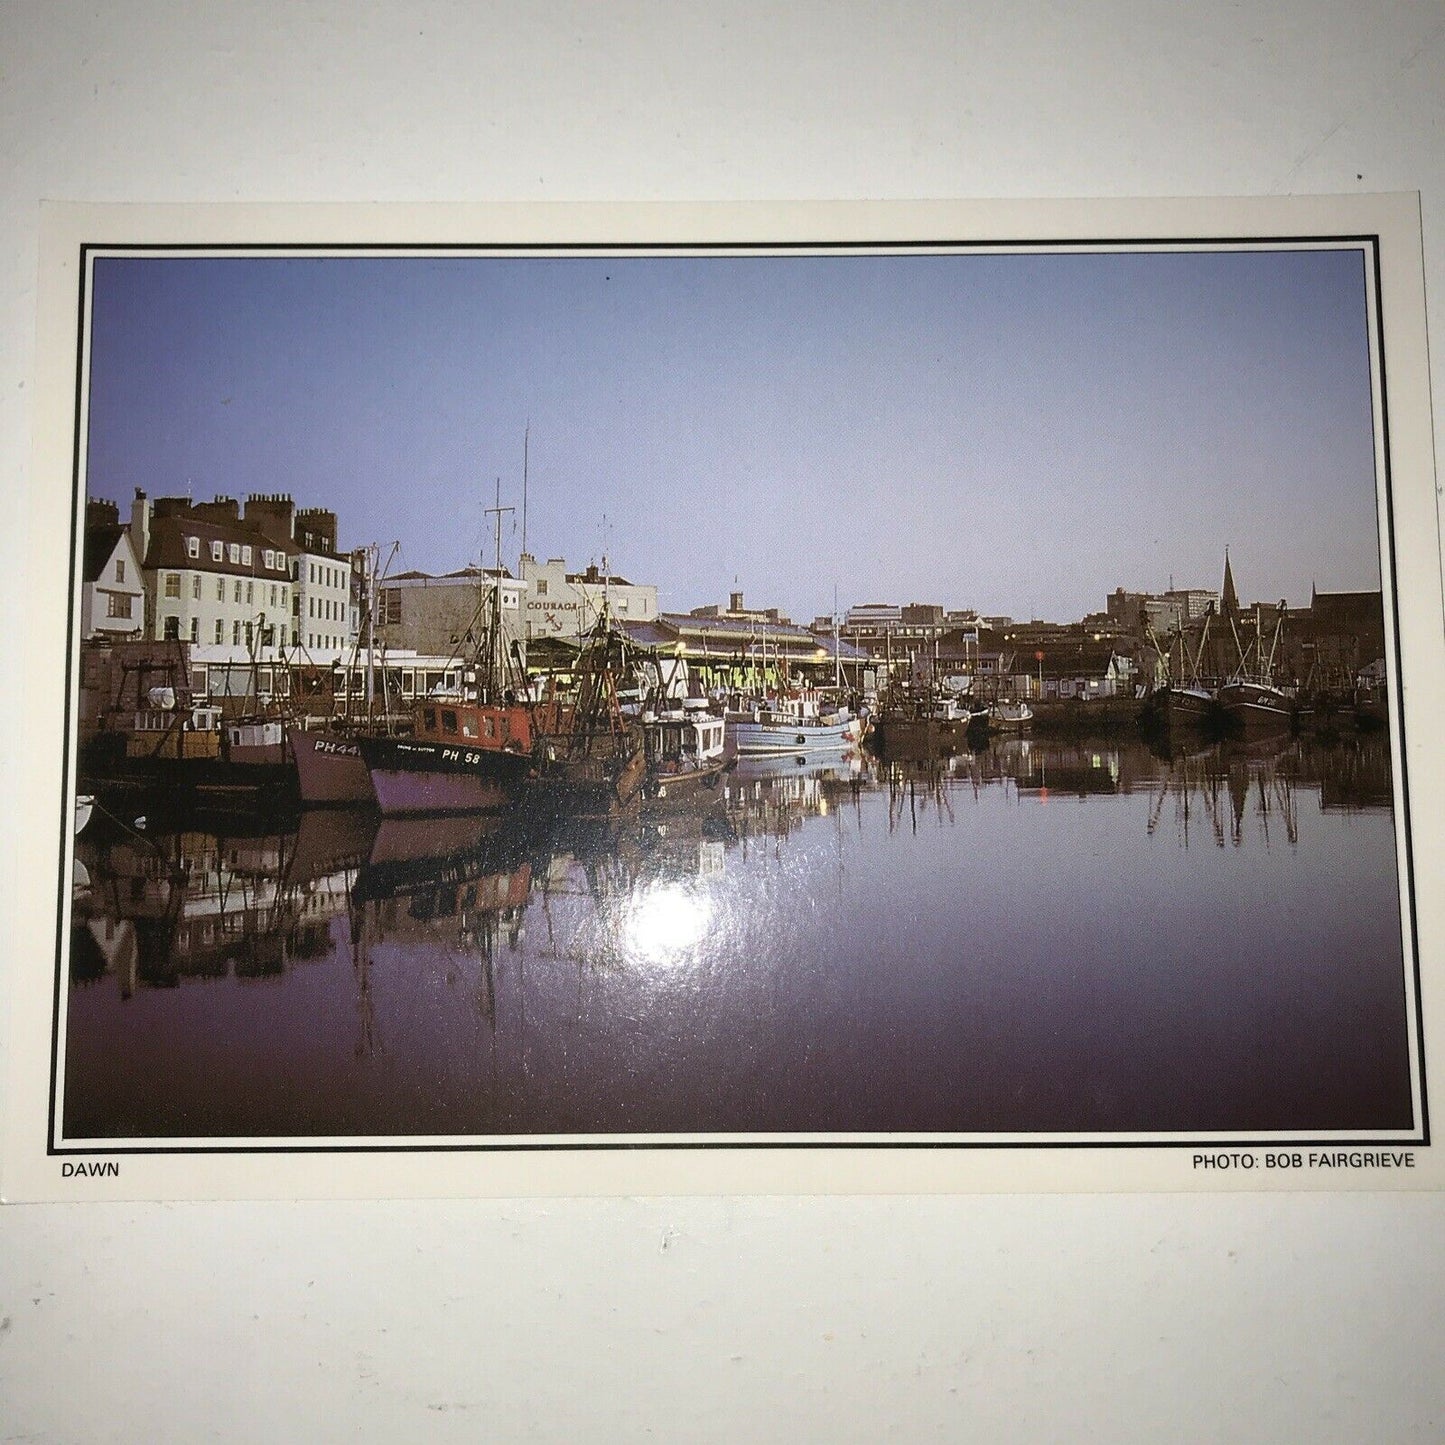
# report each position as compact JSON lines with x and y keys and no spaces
{"x":1136,"y":614}
{"x":1194,"y":602}
{"x":1060,"y":661}
{"x":882,"y":629}
{"x":448,"y":615}
{"x":562,"y":604}
{"x":745,"y":652}
{"x":739,"y":613}
{"x":112,"y":597}
{"x":209,"y":578}
{"x":1337,"y":639}
{"x":323,"y":622}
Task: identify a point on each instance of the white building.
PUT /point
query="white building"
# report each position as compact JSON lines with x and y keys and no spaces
{"x":112,"y":597}
{"x":447,"y":616}
{"x":209,"y":579}
{"x":559,"y":603}
{"x":323,"y":621}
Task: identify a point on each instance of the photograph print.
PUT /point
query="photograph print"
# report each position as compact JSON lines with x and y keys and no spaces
{"x":935,"y":694}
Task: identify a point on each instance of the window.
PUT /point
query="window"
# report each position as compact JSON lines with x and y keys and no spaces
{"x":248,"y":634}
{"x":429,"y":718}
{"x":295,"y":605}
{"x":250,"y":591}
{"x":195,"y":629}
{"x":119,"y":604}
{"x":220,"y":587}
{"x":172,"y":626}
{"x":541,"y":587}
{"x":238,"y":589}
{"x":220,"y":632}
{"x":270,"y":557}
{"x":120,"y":569}
{"x":173,"y":584}
{"x":449,"y":720}
{"x":273,"y":594}
{"x":245,"y":556}
{"x":196,"y":587}
{"x":193,"y":546}
{"x":235,"y":634}
{"x":235,"y":553}
{"x":215,"y":551}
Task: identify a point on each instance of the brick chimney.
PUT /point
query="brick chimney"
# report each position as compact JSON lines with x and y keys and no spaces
{"x":101,"y":513}
{"x":140,"y":525}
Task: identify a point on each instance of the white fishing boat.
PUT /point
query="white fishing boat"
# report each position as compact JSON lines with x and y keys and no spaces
{"x":800,"y":722}
{"x":686,"y":750}
{"x":1006,"y":716}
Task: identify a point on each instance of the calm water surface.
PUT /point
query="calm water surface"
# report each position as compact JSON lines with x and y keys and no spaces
{"x":1034,"y":938}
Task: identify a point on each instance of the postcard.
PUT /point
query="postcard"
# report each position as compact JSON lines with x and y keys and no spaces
{"x":531,"y":700}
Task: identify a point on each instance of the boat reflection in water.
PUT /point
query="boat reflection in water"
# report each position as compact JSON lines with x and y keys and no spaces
{"x":1021,"y":938}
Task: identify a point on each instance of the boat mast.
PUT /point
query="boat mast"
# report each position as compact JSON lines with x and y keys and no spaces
{"x":494,"y":629}
{"x":526,"y":438}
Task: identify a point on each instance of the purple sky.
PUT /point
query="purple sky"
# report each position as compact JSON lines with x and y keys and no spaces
{"x":1020,"y":434}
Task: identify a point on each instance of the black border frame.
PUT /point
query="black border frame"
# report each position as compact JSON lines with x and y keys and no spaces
{"x":1369,"y":244}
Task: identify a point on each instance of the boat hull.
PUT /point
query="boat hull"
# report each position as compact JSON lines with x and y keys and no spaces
{"x":756,"y":738}
{"x":1191,"y":706}
{"x":601,"y":782}
{"x":330,"y":769}
{"x":1257,"y":707}
{"x":919,"y":737}
{"x":424,"y":777}
{"x":678,"y":787}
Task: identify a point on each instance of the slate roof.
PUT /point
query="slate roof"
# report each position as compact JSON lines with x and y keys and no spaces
{"x":100,"y":545}
{"x":168,"y":548}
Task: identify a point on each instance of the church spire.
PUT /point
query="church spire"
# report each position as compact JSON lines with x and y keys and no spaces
{"x":1228,"y":597}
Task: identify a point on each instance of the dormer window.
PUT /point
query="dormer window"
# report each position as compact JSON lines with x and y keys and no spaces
{"x":120,"y":569}
{"x":235,"y":553}
{"x":216,"y":550}
{"x":245,"y":556}
{"x":270,"y":559}
{"x":193,"y":546}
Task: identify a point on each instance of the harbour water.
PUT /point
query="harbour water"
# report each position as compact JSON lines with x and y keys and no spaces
{"x":1036,"y":938}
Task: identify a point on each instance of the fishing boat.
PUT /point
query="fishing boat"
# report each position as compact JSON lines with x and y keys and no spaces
{"x":917,"y":724}
{"x":1252,"y":698}
{"x":470,"y":748}
{"x":801,"y":721}
{"x":589,"y":756}
{"x":1257,"y":705}
{"x":330,"y":767}
{"x":1009,"y":716}
{"x":1188,"y":699}
{"x":685,"y":749}
{"x":170,"y":745}
{"x":463,"y":756}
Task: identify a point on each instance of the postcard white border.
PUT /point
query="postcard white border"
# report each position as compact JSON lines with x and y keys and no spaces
{"x":1410,"y":551}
